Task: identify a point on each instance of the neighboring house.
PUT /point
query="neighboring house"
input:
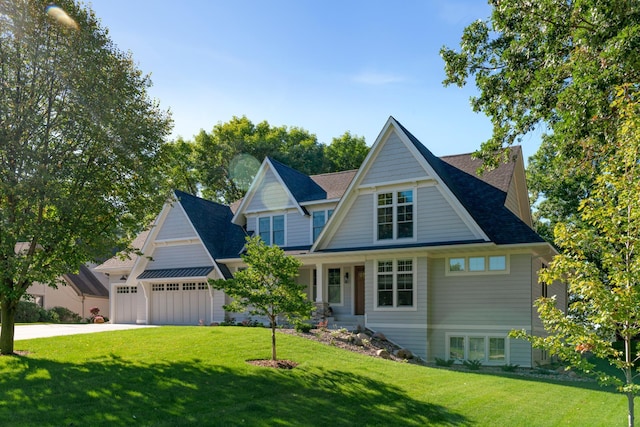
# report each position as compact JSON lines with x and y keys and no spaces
{"x":83,"y":291}
{"x":442,"y":261}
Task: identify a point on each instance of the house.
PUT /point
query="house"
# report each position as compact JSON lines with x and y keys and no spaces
{"x":84,"y":290}
{"x":441,"y":260}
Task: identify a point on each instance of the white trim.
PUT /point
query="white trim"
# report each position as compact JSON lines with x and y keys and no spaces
{"x":394,"y":224}
{"x":485,"y":272}
{"x":413,"y":182}
{"x":327,"y":268}
{"x":487,"y":337}
{"x":480,"y":327}
{"x":394,"y":274}
{"x":177,"y":241}
{"x":394,"y":325}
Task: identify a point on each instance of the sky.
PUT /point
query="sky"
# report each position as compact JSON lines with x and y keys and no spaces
{"x":328,"y":66}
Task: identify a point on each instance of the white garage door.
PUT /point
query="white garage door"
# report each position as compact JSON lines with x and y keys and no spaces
{"x":125,"y":304}
{"x":180,"y":303}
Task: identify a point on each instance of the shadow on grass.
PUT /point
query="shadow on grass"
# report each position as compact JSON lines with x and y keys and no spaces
{"x":116,"y":392}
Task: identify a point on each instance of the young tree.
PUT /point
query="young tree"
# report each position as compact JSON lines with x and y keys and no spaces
{"x":600,"y":261}
{"x":267,"y":287}
{"x":78,"y":143}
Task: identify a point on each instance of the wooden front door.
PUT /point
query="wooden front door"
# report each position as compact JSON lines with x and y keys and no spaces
{"x":359,"y":290}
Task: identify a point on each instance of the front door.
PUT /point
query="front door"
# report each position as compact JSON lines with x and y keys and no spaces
{"x":359,"y":290}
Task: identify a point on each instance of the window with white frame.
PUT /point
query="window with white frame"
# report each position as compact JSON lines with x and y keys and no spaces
{"x":485,"y":348}
{"x":319,"y":219}
{"x":477,"y":264}
{"x":271,"y":229}
{"x":395,"y":286}
{"x":394,"y":215}
{"x":334,"y":286}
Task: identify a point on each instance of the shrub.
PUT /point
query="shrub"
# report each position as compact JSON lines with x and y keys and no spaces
{"x":509,"y":367}
{"x":444,"y":362}
{"x":65,"y":315}
{"x":302,"y":327}
{"x":474,"y":365}
{"x":28,"y":312}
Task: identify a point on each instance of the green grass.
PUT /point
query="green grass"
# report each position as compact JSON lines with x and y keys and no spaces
{"x":173,"y":376}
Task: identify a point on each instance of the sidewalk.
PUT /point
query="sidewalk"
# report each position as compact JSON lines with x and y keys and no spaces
{"x":25,"y":332}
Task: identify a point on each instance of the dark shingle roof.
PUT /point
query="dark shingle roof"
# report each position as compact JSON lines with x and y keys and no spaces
{"x":86,"y":283}
{"x":500,"y":177}
{"x":167,"y":273}
{"x":212,"y":221}
{"x":483,"y":201}
{"x":302,"y":187}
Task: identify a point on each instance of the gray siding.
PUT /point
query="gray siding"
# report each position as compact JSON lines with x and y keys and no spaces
{"x":298,"y":229}
{"x":393,"y":163}
{"x":270,"y":195}
{"x":480,"y":304}
{"x":356,"y":229}
{"x":405,"y":328}
{"x":437,"y":221}
{"x":176,"y":225}
{"x":511,"y":201}
{"x":179,"y":256}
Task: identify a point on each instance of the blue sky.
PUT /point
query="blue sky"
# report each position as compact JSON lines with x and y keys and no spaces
{"x":326,"y":66}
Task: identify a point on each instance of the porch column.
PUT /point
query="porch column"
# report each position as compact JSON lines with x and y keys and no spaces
{"x":321,"y":304}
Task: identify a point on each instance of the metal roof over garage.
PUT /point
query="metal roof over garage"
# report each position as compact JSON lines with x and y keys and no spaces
{"x":167,"y":273}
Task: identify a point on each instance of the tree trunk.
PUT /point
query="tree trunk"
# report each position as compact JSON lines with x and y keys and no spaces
{"x":273,"y":340}
{"x":7,"y":318}
{"x":631,"y":409}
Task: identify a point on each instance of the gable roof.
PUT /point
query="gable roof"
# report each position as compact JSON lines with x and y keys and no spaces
{"x":212,"y":222}
{"x":86,"y":283}
{"x":500,"y":177}
{"x":125,"y":261}
{"x":482,"y":200}
{"x":334,"y":183}
{"x":301,"y":186}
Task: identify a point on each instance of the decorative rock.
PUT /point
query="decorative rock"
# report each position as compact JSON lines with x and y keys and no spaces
{"x":383,"y":354}
{"x":363,"y":336}
{"x":403,"y":353}
{"x":380,"y":336}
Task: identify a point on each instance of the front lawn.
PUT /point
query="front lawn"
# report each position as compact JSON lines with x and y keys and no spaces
{"x":173,"y":376}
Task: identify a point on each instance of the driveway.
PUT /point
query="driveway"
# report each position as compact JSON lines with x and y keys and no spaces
{"x":25,"y":332}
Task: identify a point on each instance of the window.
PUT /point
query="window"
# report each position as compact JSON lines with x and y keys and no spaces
{"x":173,"y":286}
{"x":157,"y":287}
{"x":486,"y":349}
{"x":320,"y":218}
{"x":395,"y":283}
{"x":334,"y":287}
{"x":271,"y":229}
{"x":188,"y":286}
{"x":314,"y":285}
{"x":477,"y":264}
{"x":203,"y":286}
{"x":394,"y":215}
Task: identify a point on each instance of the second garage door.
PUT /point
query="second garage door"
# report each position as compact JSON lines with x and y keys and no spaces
{"x":180,"y":303}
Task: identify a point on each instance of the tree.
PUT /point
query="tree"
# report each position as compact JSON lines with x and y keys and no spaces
{"x":346,"y":152}
{"x":600,"y":261}
{"x":79,"y":139}
{"x":554,"y":65}
{"x":267,"y":287}
{"x":223,"y":156}
{"x":177,"y":161}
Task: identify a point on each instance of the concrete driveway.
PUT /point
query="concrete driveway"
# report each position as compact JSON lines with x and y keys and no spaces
{"x":25,"y":332}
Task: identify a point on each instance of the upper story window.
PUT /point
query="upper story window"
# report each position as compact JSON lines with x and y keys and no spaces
{"x":477,"y":264}
{"x":394,"y":215}
{"x":271,"y":229}
{"x":320,"y":218}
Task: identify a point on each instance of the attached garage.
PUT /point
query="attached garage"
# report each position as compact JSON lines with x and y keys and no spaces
{"x":178,"y":296}
{"x":187,"y":303}
{"x":125,"y":301}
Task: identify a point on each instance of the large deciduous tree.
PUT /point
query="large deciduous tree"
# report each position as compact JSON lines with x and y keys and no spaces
{"x":224,"y":156}
{"x":346,"y":152}
{"x":267,"y":287}
{"x":78,"y":143}
{"x":554,"y":65}
{"x":600,"y":261}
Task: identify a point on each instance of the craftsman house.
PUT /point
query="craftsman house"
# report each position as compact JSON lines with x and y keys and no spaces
{"x":442,"y":261}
